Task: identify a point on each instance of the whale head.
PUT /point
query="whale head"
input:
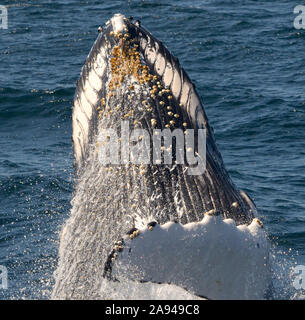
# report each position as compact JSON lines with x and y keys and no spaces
{"x":153,"y":201}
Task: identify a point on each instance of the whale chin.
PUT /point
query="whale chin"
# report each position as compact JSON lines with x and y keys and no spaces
{"x":212,"y":258}
{"x":152,"y":230}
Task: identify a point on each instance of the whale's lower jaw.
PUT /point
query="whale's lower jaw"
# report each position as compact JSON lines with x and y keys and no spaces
{"x":209,"y":259}
{"x":109,"y":200}
{"x":212,"y":259}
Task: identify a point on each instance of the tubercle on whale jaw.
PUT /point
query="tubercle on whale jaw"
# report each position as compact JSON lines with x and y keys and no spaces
{"x":215,"y":213}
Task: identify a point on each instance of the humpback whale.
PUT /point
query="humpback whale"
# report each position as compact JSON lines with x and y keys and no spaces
{"x":155,"y":230}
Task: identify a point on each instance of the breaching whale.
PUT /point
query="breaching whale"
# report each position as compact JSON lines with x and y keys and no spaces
{"x":154,"y":229}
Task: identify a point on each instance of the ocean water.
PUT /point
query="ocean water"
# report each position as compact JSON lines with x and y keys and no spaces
{"x":247,"y":61}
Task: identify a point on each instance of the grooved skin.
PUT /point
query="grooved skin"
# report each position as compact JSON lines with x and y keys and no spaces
{"x":105,"y":204}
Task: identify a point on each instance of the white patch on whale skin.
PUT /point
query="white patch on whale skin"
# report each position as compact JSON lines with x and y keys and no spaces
{"x":80,"y":130}
{"x":194,"y":108}
{"x":86,"y":106}
{"x":90,"y":93}
{"x":176,"y":84}
{"x":95,"y":81}
{"x":83,"y":121}
{"x":100,"y":64}
{"x":151,"y":53}
{"x":160,"y":64}
{"x":186,"y":87}
{"x":168,"y":74}
{"x":77,"y":149}
{"x":118,"y":22}
{"x":212,"y":258}
{"x":143,"y":44}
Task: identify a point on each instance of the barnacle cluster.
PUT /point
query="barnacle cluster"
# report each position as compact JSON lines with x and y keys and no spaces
{"x":126,"y":61}
{"x":131,"y":76}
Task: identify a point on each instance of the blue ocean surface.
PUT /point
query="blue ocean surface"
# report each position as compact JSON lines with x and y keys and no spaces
{"x":247,"y":61}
